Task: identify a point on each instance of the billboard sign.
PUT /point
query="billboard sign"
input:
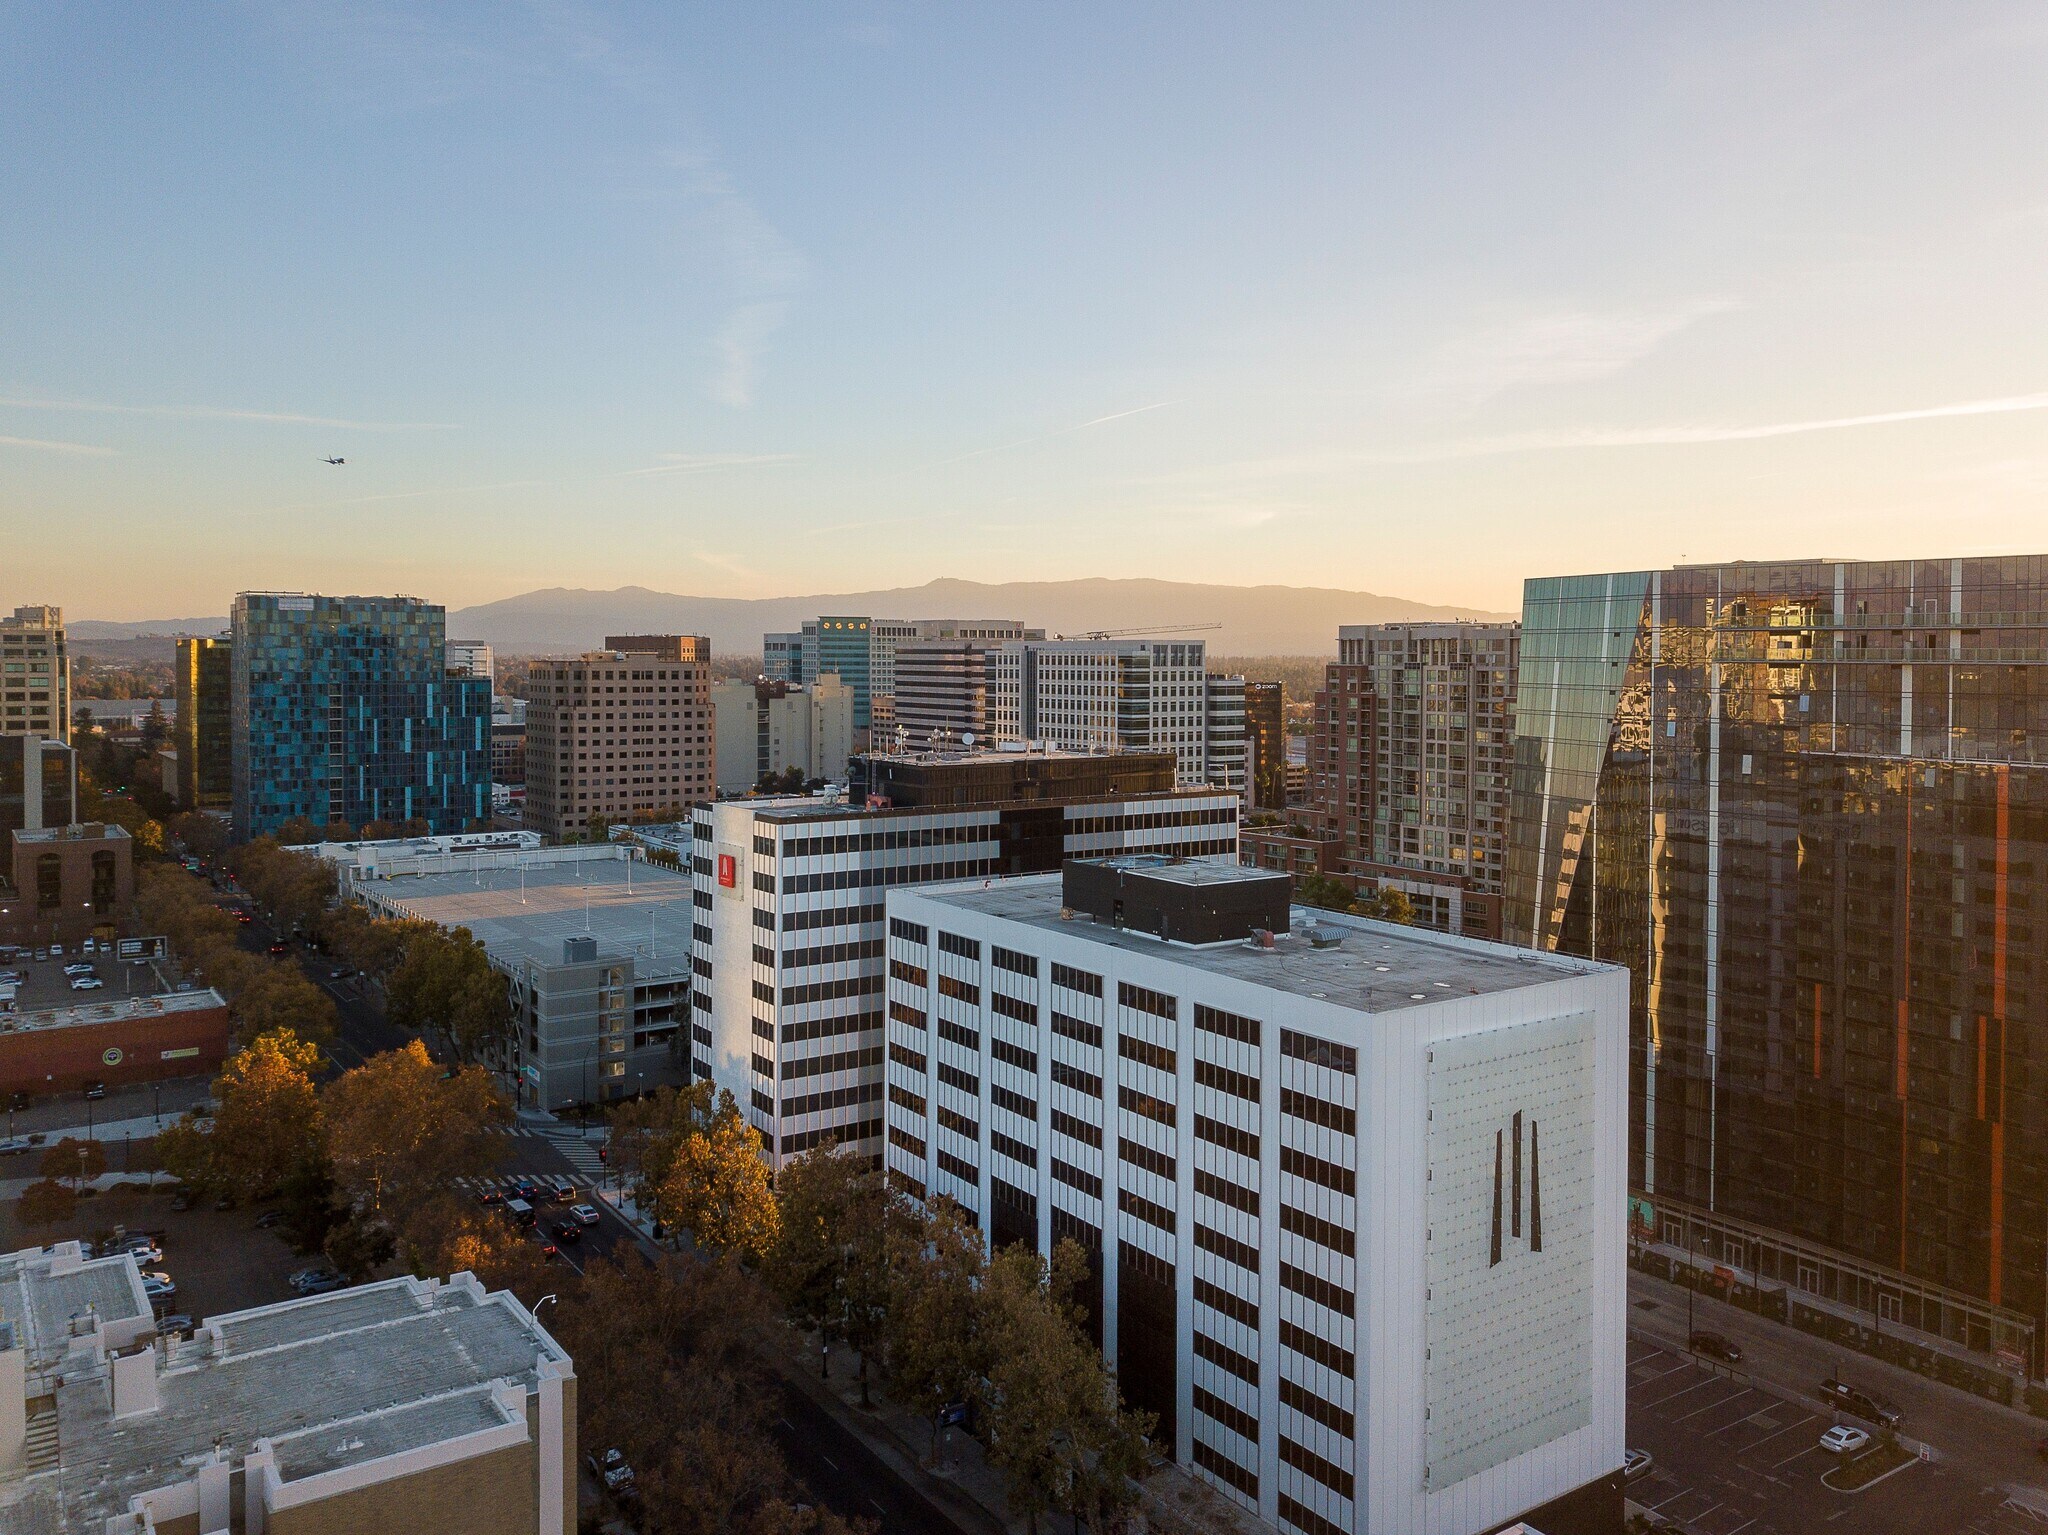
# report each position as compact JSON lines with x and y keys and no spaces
{"x":141,"y":948}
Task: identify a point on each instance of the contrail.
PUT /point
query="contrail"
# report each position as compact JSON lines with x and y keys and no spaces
{"x":76,"y":449}
{"x":1025,"y":442}
{"x":217,"y":413}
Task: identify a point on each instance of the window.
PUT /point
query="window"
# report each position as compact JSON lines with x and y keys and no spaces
{"x":960,"y":991}
{"x":1238,"y":1421}
{"x":1229,"y":1025}
{"x":1010,"y":1007}
{"x":1307,"y":1519}
{"x":1012,"y":961}
{"x":964,"y":948}
{"x":1225,"y":1192}
{"x":1076,"y":980}
{"x":1309,"y":1405}
{"x":1077,"y":1129}
{"x":907,"y":1058}
{"x":1213,"y":1460}
{"x":907,"y":1015}
{"x":1144,"y":1156}
{"x":1131,"y":1048}
{"x":1309,"y":1346}
{"x":1145,"y":1210}
{"x":1236,"y":1307}
{"x":959,"y":1124}
{"x":1074,"y":1178}
{"x":1321,"y":1291}
{"x":960,"y":1034}
{"x":1144,"y":1000}
{"x":959,"y":1080}
{"x":964,"y":1170}
{"x":1229,"y":1249}
{"x":1156,"y":1109}
{"x":1011,"y":1055}
{"x":909,"y":974}
{"x":1226,"y":1358}
{"x":1013,"y":1148}
{"x":1079,"y":1081}
{"x":903,"y":1140}
{"x":1223,"y":1080}
{"x":1316,"y":1170}
{"x":1015,"y":1103}
{"x":1318,"y":1111}
{"x":1306,"y":1461}
{"x":1319,"y":1052}
{"x":1078,"y":1030}
{"x":1244,"y":1142}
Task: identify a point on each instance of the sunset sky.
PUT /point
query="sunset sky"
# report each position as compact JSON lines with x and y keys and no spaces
{"x":750,"y":300}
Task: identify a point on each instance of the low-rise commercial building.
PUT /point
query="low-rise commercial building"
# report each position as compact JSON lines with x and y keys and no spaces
{"x":594,"y":940}
{"x":60,"y":1049}
{"x":68,"y":882}
{"x":788,"y":952}
{"x":1353,"y":1195}
{"x":414,"y":1404}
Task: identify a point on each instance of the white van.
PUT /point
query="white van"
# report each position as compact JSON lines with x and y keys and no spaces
{"x":521,"y":1212}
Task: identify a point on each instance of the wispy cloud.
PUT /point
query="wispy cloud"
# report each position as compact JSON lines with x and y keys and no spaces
{"x":737,"y":350}
{"x":701,"y":463}
{"x":759,"y":265}
{"x":46,"y":445}
{"x":1566,"y":348}
{"x":1065,"y":431}
{"x":218,"y":413}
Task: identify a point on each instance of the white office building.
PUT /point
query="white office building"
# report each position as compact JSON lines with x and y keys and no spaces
{"x":788,"y":953}
{"x":767,"y":726}
{"x":1122,"y":695}
{"x":1354,"y":1193}
{"x":472,"y":658}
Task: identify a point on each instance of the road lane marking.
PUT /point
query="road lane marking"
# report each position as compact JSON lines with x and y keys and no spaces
{"x":878,"y":1507}
{"x":827,"y":1460}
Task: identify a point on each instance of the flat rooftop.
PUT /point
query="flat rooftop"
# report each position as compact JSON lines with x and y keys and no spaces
{"x":332,"y":1381}
{"x":523,"y":911}
{"x":113,"y":1010}
{"x":811,"y":808}
{"x":1367,"y":966}
{"x":1186,"y":871}
{"x":1001,"y":753}
{"x":42,"y":1292}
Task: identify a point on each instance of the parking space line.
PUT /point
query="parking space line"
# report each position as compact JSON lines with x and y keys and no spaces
{"x":1812,"y":1449}
{"x":1715,"y":1406}
{"x":1705,"y":1380}
{"x":1788,"y":1428}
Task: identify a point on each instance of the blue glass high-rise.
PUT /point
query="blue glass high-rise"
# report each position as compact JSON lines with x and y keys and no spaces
{"x":344,"y":711}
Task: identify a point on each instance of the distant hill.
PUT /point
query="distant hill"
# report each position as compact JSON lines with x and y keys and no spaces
{"x":1256,"y":620}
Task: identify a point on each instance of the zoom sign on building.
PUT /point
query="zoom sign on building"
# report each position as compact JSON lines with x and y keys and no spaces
{"x":1510,"y":1233}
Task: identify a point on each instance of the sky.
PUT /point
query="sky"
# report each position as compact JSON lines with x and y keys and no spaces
{"x":756,"y":300}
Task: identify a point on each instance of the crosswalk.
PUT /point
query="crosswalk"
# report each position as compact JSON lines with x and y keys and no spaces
{"x":504,"y":1183}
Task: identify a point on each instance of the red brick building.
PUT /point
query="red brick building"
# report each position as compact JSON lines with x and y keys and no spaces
{"x":127,"y":1039}
{"x":65,"y":882}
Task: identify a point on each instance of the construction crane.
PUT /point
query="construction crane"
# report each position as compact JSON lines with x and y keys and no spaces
{"x":1118,"y":634}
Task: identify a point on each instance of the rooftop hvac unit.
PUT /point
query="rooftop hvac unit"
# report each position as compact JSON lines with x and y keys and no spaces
{"x":579,"y":951}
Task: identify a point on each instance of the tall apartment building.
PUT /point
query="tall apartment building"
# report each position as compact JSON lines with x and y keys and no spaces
{"x":473,"y":658}
{"x":1265,"y":728}
{"x":1121,"y":695}
{"x":618,"y":733}
{"x":343,"y":710}
{"x":38,"y":785}
{"x":35,"y":674}
{"x":1410,"y":756}
{"x":787,"y":1009}
{"x":413,"y":1404}
{"x":1353,"y":1197}
{"x":769,"y":727}
{"x":782,"y":657}
{"x":203,"y":733}
{"x":1807,"y":805}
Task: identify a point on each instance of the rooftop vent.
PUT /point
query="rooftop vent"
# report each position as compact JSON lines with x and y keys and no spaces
{"x":579,"y":951}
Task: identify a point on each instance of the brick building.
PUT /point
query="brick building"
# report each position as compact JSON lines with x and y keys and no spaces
{"x":125,"y":1039}
{"x":65,"y":882}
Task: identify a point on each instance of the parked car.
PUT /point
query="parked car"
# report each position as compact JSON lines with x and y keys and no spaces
{"x":610,"y":1469}
{"x":1845,"y":1439}
{"x":86,"y":983}
{"x":1636,"y":1465}
{"x":158,"y":1287}
{"x":182,"y":1200}
{"x":1714,"y":1346}
{"x":42,"y":953}
{"x":16,"y":1145}
{"x":587,"y":1214}
{"x":94,"y":1091}
{"x":314,"y":1275}
{"x":1847,"y":1398}
{"x":176,"y":1325}
{"x":324,"y":1286}
{"x":79,"y":967}
{"x":141,"y":1249}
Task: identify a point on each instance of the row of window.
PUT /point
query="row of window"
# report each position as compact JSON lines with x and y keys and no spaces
{"x":1315,"y":1229}
{"x":909,"y":932}
{"x":823,"y":1028}
{"x":1074,"y":1178}
{"x":1137,"y":1155}
{"x":836,"y":1098}
{"x":1224,"y":1080}
{"x":1078,"y":1029}
{"x":1219,"y":1465}
{"x":1229,"y":1025}
{"x":959,"y":1034}
{"x":1145,"y":1000}
{"x":829,"y":953}
{"x":829,"y":916}
{"x":1333,"y":1296}
{"x":959,"y":1081}
{"x":1014,"y":1055}
{"x":1145,"y":1210}
{"x":1076,"y":980}
{"x":1013,"y":1148}
{"x":1319,"y":1052}
{"x":1014,"y":1103}
{"x":1143,"y":1051}
{"x":1011,"y":1007}
{"x":967,"y":1129}
{"x":962,"y":948}
{"x":1224,"y":1192}
{"x":959,"y":990}
{"x":1318,"y":1111}
{"x":1244,"y":1142}
{"x":1011,"y":960}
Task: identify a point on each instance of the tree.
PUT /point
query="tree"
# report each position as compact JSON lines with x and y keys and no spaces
{"x":359,"y":1247}
{"x":398,"y":1128}
{"x":445,"y":982}
{"x":74,"y":1161}
{"x":1388,"y":906}
{"x":375,"y":945}
{"x":1324,"y":891}
{"x":718,"y":1186}
{"x":46,"y":1202}
{"x":279,"y":998}
{"x":268,"y":1120}
{"x":935,"y":1264}
{"x":185,"y":1150}
{"x":203,"y":836}
{"x":306,"y":1198}
{"x":451,"y":1235}
{"x":829,"y":1263}
{"x":645,"y":1132}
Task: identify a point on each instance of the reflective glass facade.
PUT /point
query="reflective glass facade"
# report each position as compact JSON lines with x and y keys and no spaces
{"x":1807,"y":806}
{"x":343,"y":710}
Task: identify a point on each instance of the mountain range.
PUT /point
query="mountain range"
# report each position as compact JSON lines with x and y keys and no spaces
{"x":1252,"y":620}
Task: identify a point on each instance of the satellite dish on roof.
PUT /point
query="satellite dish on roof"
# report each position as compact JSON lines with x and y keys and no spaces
{"x":966,"y":738}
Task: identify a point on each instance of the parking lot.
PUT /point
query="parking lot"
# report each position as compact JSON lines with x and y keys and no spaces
{"x":44,"y":984}
{"x":1733,"y":1457}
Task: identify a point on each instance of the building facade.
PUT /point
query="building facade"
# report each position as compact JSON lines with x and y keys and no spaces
{"x":35,"y":674}
{"x":782,"y":657}
{"x":614,"y":734}
{"x":203,"y":733}
{"x":787,"y":1007}
{"x":343,"y":711}
{"x":69,"y":881}
{"x":1353,"y":1197}
{"x":1122,"y":695}
{"x":1265,"y":727}
{"x":472,"y":658}
{"x":38,"y":783}
{"x":839,"y":644}
{"x":1807,"y":805}
{"x":941,"y":693}
{"x":1409,"y":763}
{"x":768,"y":727}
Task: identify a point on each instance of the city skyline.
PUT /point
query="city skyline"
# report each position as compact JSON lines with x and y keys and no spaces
{"x":880,"y":297}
